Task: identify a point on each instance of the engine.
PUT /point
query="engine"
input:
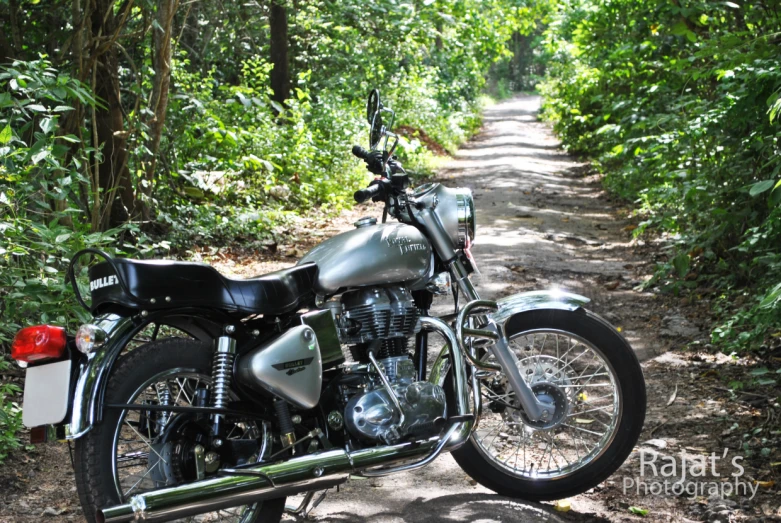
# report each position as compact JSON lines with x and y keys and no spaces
{"x":377,"y":314}
{"x":383,"y":320}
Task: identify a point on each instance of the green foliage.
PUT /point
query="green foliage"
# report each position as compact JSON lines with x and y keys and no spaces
{"x":233,"y":165}
{"x":10,"y":416}
{"x":40,"y":180}
{"x":677,"y":103}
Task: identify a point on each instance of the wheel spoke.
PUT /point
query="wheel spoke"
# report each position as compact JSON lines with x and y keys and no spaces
{"x":565,"y":363}
{"x":142,"y":453}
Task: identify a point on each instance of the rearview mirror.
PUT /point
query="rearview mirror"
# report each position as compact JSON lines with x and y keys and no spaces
{"x":374,"y":116}
{"x":373,"y":105}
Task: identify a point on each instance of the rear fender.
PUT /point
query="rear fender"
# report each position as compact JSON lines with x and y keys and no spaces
{"x":94,"y":369}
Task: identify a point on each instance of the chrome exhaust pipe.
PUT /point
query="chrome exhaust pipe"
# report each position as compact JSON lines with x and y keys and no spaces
{"x":250,"y":485}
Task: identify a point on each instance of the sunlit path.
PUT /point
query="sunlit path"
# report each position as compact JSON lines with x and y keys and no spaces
{"x":540,"y":224}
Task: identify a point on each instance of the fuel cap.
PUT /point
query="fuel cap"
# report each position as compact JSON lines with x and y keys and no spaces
{"x":366,"y":221}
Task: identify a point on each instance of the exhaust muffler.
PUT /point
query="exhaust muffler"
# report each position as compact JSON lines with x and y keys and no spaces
{"x":250,"y":485}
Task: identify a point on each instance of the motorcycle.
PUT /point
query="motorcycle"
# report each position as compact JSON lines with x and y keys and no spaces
{"x":192,"y":393}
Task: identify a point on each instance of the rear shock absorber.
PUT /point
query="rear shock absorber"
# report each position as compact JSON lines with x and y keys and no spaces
{"x":287,"y":435}
{"x":164,"y":396}
{"x":222,"y":372}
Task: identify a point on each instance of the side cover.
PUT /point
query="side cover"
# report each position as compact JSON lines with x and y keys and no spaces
{"x":289,"y":367}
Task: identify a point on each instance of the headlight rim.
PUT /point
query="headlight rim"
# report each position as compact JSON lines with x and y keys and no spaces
{"x":466,"y":219}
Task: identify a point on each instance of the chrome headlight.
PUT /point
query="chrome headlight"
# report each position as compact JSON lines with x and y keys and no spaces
{"x":465,"y":211}
{"x":455,"y":208}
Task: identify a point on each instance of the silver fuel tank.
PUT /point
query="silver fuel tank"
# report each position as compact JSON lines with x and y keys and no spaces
{"x":372,"y":254}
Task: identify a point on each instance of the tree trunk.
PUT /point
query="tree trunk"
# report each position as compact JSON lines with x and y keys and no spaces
{"x":16,"y":38}
{"x":280,"y":74}
{"x":159,"y":100}
{"x":6,"y":47}
{"x":6,"y":53}
{"x":118,"y":198}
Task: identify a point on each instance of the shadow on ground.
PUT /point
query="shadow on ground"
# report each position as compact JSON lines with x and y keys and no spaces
{"x":455,"y":508}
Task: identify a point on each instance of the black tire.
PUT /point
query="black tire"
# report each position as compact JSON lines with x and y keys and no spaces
{"x":94,"y":451}
{"x":631,"y":383}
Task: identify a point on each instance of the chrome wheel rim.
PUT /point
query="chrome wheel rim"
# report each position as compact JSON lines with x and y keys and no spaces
{"x":132,"y":446}
{"x":589,"y":425}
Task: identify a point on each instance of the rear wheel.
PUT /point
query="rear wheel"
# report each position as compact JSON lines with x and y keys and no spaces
{"x":579,"y":361}
{"x":134,"y":451}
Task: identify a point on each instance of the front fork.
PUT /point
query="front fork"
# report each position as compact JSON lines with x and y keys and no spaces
{"x":475,"y":312}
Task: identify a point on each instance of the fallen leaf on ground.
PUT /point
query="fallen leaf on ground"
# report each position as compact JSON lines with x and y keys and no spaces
{"x":658,"y":443}
{"x":674,"y":395}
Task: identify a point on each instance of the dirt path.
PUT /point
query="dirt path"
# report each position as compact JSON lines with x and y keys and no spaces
{"x":543,"y":221}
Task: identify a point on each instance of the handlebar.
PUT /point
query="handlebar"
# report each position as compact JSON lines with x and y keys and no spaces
{"x":360,"y":152}
{"x":368,"y":193}
{"x":375,"y":160}
{"x":394,"y":178}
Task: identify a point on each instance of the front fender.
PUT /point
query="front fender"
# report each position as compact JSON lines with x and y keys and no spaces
{"x":535,"y":300}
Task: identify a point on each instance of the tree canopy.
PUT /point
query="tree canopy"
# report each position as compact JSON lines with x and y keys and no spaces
{"x":142,"y":126}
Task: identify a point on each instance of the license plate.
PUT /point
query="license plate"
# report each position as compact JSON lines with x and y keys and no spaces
{"x":46,"y":392}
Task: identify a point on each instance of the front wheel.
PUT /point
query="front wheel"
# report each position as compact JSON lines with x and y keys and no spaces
{"x":133,"y":451}
{"x":580,"y":362}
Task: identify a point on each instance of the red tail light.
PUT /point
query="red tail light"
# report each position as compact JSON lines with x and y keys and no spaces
{"x":41,"y":342}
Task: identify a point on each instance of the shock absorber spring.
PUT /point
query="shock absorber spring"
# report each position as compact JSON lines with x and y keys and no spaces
{"x":222,"y":372}
{"x":164,"y":395}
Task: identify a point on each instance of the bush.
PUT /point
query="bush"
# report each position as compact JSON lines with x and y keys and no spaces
{"x":672,"y":103}
{"x":10,"y":416}
{"x":42,"y":218}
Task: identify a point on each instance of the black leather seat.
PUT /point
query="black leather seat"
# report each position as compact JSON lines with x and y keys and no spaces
{"x":156,"y":284}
